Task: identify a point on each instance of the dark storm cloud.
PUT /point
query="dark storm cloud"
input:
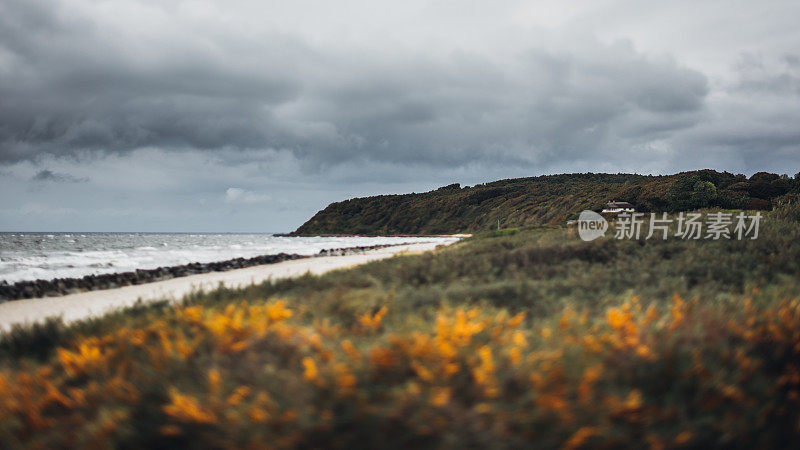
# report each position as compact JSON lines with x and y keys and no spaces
{"x":243,"y":115}
{"x":69,"y":85}
{"x":66,"y":87}
{"x":540,"y":106}
{"x":47,"y":175}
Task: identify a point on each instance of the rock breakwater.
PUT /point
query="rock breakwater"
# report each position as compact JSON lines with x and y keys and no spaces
{"x":65,"y":286}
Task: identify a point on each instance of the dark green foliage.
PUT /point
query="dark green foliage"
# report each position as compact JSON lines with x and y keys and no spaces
{"x":538,"y":271}
{"x":704,"y":194}
{"x":714,"y":367}
{"x":544,"y":200}
{"x":35,"y":341}
{"x":689,"y":192}
{"x":764,"y":177}
{"x":681,"y":194}
{"x":522,"y":202}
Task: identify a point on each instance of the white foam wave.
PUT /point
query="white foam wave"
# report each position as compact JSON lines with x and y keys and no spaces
{"x":106,"y":254}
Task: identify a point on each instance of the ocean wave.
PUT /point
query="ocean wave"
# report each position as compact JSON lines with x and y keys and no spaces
{"x":24,"y":258}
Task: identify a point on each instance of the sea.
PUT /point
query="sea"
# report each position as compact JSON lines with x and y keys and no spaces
{"x":46,"y":256}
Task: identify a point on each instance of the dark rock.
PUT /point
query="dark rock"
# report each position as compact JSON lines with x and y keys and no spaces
{"x":39,"y":288}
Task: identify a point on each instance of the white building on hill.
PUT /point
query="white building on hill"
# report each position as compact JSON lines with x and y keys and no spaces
{"x":618,"y":207}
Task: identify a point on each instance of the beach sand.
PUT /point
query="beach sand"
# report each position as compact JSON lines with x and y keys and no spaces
{"x":96,"y":303}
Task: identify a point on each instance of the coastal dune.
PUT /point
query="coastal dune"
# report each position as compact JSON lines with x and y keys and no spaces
{"x":84,"y":305}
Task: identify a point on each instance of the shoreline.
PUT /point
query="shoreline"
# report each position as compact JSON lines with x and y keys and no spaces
{"x":58,"y":287}
{"x":83,"y":305}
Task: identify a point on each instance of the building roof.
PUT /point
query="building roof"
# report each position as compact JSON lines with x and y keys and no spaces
{"x":613,"y":204}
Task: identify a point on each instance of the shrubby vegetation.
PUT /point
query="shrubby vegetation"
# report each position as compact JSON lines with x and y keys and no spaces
{"x":544,"y":200}
{"x":526,"y":337}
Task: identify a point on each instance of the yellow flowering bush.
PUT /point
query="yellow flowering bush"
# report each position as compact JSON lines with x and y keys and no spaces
{"x":475,"y":360}
{"x":253,"y":375}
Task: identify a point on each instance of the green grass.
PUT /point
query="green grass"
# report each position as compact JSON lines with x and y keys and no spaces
{"x":513,"y":338}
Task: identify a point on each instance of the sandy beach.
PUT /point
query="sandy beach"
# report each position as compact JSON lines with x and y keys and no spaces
{"x":96,"y":303}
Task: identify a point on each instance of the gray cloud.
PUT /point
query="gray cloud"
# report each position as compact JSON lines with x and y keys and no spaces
{"x":185,"y":108}
{"x":779,"y":76}
{"x":239,"y":195}
{"x":74,"y":86}
{"x":55,"y":177}
{"x":756,"y":117}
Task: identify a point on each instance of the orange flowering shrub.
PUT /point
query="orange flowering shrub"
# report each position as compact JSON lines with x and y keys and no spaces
{"x":260,"y":375}
{"x":372,"y":322}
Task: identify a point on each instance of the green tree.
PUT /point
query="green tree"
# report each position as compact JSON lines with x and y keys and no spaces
{"x":765,"y":177}
{"x":679,"y":194}
{"x":796,"y":183}
{"x":704,"y":194}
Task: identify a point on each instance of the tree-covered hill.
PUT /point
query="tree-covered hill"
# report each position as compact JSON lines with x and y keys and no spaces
{"x":543,"y":200}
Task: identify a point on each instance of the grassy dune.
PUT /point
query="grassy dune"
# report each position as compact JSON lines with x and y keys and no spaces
{"x":521,"y":337}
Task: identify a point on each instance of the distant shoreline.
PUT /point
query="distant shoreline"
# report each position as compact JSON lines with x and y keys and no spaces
{"x":58,"y":287}
{"x":457,"y":235}
{"x":83,"y":305}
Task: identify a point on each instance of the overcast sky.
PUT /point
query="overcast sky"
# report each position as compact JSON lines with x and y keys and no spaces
{"x":250,"y":115}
